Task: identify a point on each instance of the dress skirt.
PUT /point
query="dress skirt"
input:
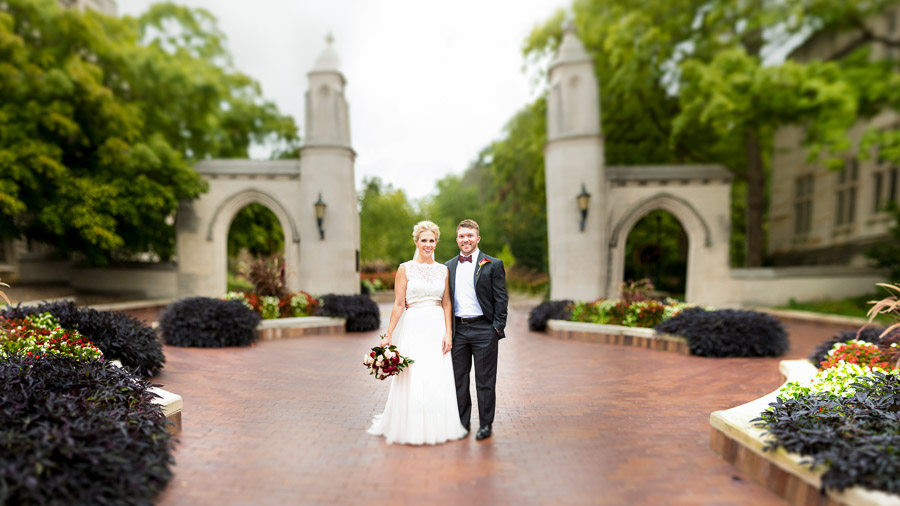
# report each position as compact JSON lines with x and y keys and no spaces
{"x":421,"y":406}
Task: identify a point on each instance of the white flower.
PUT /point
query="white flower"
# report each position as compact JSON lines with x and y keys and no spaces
{"x":389,"y":354}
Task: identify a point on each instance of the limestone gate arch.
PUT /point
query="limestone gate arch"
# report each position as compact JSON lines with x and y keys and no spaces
{"x":289,"y":188}
{"x":589,"y":263}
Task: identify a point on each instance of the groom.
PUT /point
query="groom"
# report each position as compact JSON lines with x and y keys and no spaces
{"x":478,"y":288}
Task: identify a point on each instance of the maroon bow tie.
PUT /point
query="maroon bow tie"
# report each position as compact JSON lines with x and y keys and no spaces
{"x":465,"y":259}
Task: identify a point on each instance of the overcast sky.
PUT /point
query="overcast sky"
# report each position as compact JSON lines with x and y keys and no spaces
{"x":429,"y":83}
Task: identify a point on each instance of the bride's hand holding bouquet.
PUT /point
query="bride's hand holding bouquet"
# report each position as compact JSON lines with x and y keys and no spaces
{"x":384,"y":361}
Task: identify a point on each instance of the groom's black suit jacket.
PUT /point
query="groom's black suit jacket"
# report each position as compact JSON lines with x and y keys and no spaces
{"x":490,"y":289}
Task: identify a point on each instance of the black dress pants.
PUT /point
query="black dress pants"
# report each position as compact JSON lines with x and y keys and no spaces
{"x":476,"y":341}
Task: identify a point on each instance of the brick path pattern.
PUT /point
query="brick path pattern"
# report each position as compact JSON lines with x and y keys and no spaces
{"x":284,"y":422}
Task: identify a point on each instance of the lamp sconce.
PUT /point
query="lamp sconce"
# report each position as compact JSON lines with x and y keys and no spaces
{"x":584,"y":201}
{"x":320,"y":215}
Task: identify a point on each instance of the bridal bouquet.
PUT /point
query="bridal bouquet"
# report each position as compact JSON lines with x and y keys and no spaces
{"x":385,"y":361}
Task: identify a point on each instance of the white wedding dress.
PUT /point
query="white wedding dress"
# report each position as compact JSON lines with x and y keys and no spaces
{"x":421,"y":406}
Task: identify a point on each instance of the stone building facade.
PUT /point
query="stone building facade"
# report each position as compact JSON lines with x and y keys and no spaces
{"x":819,"y":216}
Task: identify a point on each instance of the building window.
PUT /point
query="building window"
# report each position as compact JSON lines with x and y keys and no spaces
{"x":803,"y":193}
{"x":845,"y":205}
{"x":885,"y":189}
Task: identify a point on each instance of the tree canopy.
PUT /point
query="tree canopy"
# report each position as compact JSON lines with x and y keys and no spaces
{"x":101,"y":118}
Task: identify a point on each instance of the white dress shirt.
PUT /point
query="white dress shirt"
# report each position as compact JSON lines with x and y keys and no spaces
{"x":465,"y":303}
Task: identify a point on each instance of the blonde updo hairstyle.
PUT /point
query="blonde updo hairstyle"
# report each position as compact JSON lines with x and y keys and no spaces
{"x":426,"y":226}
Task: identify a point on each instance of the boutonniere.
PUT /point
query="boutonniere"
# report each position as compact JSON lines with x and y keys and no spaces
{"x":481,"y":264}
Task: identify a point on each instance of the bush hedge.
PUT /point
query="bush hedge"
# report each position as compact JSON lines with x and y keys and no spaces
{"x":548,"y":310}
{"x":728,"y":333}
{"x":360,"y":311}
{"x":118,"y":335}
{"x":204,"y":322}
{"x":79,"y":432}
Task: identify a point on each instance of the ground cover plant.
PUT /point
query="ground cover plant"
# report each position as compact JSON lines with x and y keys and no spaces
{"x":79,"y":432}
{"x":728,"y":333}
{"x":119,"y":336}
{"x":204,"y":322}
{"x":360,"y":311}
{"x":848,"y":417}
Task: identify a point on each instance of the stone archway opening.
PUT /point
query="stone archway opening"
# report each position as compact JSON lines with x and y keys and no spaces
{"x":657,"y":249}
{"x":254,"y":233}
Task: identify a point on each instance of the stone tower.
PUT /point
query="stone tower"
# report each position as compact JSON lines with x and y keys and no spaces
{"x":573,"y":157}
{"x":327,"y":169}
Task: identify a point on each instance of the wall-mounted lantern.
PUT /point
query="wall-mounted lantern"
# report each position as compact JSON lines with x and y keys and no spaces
{"x":320,"y":215}
{"x":584,"y":201}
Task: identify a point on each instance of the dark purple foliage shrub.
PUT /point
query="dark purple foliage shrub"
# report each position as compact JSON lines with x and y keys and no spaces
{"x":728,"y":333}
{"x":360,"y":311}
{"x":204,"y":322}
{"x":548,"y":310}
{"x":118,"y":335}
{"x":855,"y":437}
{"x":79,"y":432}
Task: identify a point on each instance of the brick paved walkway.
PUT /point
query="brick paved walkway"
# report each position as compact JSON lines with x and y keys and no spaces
{"x":577,"y":423}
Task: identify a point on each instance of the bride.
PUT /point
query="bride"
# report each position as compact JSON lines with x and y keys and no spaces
{"x":421,"y":406}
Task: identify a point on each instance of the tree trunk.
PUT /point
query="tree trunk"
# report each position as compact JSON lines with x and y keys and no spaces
{"x":756,"y":190}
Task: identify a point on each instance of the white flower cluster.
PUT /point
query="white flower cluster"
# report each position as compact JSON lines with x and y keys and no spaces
{"x":834,"y":381}
{"x":269,"y":307}
{"x":239,"y":296}
{"x":300,"y":304}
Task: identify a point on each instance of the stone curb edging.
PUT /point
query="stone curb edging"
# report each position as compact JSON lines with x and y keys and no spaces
{"x":617,"y":334}
{"x":171,"y":405}
{"x":810,"y":317}
{"x":740,"y":443}
{"x":300,"y":326}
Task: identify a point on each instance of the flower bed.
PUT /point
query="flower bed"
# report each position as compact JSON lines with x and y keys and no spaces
{"x":739,"y":441}
{"x":844,"y":419}
{"x":684,"y":329}
{"x":117,"y":335}
{"x":269,"y":307}
{"x":359,"y":312}
{"x":643,"y":313}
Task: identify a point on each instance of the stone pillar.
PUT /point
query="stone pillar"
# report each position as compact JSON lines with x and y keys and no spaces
{"x":328,"y":265}
{"x":573,"y":156}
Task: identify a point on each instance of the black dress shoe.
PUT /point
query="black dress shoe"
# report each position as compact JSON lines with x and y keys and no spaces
{"x":483,"y":433}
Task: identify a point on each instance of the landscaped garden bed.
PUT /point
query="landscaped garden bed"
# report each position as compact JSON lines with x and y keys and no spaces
{"x":833,"y":426}
{"x":80,"y":425}
{"x":665,"y":326}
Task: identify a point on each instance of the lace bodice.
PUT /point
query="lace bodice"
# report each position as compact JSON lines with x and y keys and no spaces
{"x":424,"y":281}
